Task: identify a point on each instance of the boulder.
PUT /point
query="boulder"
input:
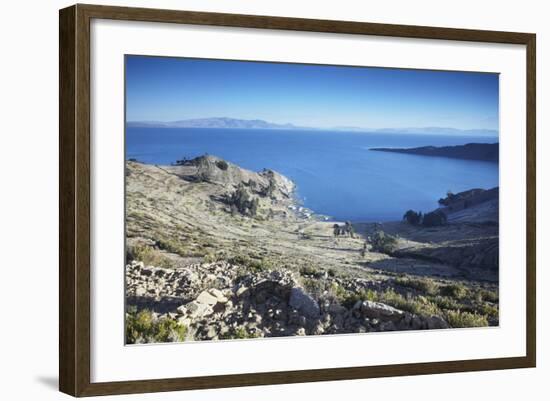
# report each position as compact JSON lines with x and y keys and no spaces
{"x":337,"y":309}
{"x":140,"y":291}
{"x":207,"y":298}
{"x":379,"y":310}
{"x":305,"y":304}
{"x":387,"y":326}
{"x":220,"y":298}
{"x":195,"y":309}
{"x":436,"y":322}
{"x":417,"y":323}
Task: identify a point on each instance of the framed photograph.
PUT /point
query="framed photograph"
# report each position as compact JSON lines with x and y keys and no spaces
{"x":250,"y":200}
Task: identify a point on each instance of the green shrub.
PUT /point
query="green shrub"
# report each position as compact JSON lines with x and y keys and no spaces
{"x":455,"y":290}
{"x":310,"y":271}
{"x":313,"y":286}
{"x":459,"y":319}
{"x":171,"y":246}
{"x":383,"y":243}
{"x":445,"y":302}
{"x":424,"y":285}
{"x":351,"y":298}
{"x":487,"y":296}
{"x":141,"y":327}
{"x":149,"y":256}
{"x":488,"y":310}
{"x":238,"y":333}
{"x":417,"y":305}
{"x":212,"y":257}
{"x":253,"y":264}
{"x":338,"y":292}
{"x":240,"y":201}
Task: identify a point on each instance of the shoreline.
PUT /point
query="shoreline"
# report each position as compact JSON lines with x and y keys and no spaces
{"x":297,"y":204}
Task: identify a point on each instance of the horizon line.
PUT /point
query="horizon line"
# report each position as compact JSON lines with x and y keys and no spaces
{"x":294,"y":126}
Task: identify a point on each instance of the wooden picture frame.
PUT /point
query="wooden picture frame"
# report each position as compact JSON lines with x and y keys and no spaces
{"x":74,"y":199}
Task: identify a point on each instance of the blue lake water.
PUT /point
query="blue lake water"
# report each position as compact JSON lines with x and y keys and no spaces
{"x":336,"y":173}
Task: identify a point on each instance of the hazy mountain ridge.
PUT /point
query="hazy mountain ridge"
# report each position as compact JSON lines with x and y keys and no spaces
{"x":215,"y":122}
{"x":226,"y":122}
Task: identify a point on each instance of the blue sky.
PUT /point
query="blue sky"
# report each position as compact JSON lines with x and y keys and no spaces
{"x":169,"y":89}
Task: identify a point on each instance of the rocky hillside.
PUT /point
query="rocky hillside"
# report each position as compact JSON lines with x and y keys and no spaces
{"x":221,"y":301}
{"x":476,"y":205}
{"x":215,"y":251}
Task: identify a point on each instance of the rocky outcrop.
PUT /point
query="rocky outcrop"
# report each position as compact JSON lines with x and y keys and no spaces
{"x":212,"y":169}
{"x":221,"y":301}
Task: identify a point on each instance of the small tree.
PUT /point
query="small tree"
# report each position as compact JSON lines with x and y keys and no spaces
{"x":241,"y":201}
{"x":383,"y":243}
{"x":270,"y":189}
{"x":413,"y":217}
{"x":240,"y":198}
{"x":254,"y":207}
{"x":435,"y":218}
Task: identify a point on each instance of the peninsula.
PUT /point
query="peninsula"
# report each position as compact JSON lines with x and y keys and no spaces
{"x":470,"y":151}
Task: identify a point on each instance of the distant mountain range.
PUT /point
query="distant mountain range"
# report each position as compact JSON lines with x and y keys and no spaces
{"x":225,"y":122}
{"x":215,"y":122}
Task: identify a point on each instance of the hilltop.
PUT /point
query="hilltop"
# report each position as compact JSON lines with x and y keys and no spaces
{"x":216,"y":251}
